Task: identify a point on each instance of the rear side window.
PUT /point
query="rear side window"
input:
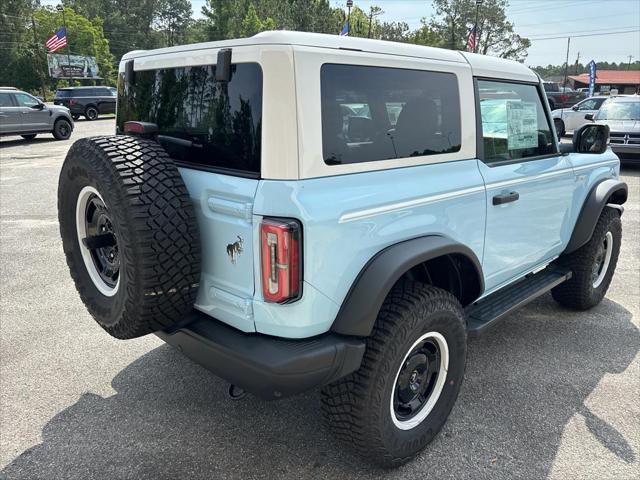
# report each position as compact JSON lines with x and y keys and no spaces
{"x":5,"y":100}
{"x":378,"y":113}
{"x":514,"y":124}
{"x":201,"y":122}
{"x":64,"y":93}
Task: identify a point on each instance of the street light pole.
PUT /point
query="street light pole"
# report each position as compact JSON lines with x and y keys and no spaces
{"x":349,"y":5}
{"x":60,"y":8}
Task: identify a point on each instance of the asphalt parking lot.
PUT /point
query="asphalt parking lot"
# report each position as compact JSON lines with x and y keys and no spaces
{"x":550,"y":393}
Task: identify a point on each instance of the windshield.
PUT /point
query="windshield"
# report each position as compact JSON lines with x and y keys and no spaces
{"x":619,"y":111}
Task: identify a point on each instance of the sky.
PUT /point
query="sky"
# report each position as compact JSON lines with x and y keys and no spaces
{"x":539,"y":20}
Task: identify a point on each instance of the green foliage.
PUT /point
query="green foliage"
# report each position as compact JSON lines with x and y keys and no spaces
{"x":454,"y":19}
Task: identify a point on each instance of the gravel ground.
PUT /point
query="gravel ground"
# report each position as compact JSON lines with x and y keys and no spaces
{"x":549,"y":394}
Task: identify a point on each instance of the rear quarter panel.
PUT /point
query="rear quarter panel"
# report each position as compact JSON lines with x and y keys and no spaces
{"x":347,"y":219}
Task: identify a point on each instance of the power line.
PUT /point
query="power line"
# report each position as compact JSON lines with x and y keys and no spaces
{"x":586,"y":35}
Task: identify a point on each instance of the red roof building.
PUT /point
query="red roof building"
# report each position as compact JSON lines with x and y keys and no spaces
{"x":626,"y":81}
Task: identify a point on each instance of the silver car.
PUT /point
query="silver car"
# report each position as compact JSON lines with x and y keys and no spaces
{"x":23,"y":114}
{"x":622,"y":114}
{"x":567,"y":120}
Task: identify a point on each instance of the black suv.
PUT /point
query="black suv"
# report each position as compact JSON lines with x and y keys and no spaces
{"x":87,"y":101}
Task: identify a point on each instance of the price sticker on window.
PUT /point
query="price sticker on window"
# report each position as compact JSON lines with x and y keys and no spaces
{"x":522,"y":125}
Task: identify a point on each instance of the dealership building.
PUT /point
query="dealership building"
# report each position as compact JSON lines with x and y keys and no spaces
{"x":625,"y":81}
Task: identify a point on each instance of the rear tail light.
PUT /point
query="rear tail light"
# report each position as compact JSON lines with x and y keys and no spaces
{"x":281,"y":260}
{"x":72,"y":102}
{"x":565,"y":98}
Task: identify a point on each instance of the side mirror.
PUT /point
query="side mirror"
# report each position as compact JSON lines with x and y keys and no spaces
{"x":591,"y":138}
{"x":38,"y":106}
{"x":589,"y":116}
{"x":575,"y":108}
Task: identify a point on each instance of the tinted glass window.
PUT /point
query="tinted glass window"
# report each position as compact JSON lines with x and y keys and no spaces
{"x":64,"y":93}
{"x":25,"y":100}
{"x":103,"y":92}
{"x":514,"y":124}
{"x":619,"y":110}
{"x":375,"y":113}
{"x":591,"y":104}
{"x":5,"y":100}
{"x":202,"y":122}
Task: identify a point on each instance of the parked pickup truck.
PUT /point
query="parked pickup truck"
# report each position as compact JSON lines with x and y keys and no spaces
{"x":561,"y":97}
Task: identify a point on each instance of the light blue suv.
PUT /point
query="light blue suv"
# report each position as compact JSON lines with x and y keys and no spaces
{"x":298,"y":210}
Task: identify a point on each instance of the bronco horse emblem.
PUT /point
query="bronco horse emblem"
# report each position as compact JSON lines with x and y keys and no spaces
{"x":234,"y":250}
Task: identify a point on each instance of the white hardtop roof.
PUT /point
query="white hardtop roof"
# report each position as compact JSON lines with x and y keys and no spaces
{"x":482,"y":65}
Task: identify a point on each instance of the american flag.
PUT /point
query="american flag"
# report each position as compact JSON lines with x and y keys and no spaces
{"x":57,"y":41}
{"x":472,"y":41}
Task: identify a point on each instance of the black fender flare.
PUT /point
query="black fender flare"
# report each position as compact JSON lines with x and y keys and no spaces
{"x":609,"y":191}
{"x":360,"y":307}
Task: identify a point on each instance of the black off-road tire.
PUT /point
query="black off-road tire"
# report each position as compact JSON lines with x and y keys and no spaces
{"x":357,"y":407}
{"x":91,"y":113}
{"x":62,"y":129}
{"x":154,"y":225}
{"x":578,"y":292}
{"x":560,"y":129}
{"x":30,"y":136}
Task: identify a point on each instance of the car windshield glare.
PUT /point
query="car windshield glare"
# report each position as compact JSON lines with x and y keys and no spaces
{"x":620,"y":111}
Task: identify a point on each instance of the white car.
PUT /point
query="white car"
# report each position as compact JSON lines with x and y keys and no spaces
{"x":569,"y":119}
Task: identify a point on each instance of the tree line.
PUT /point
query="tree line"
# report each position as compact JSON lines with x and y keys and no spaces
{"x":106,"y":29}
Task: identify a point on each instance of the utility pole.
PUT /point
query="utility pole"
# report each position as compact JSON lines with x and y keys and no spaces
{"x":575,"y":68}
{"x":373,"y":12}
{"x":37,"y":47}
{"x":566,"y":63}
{"x":475,"y":28}
{"x":60,"y":8}
{"x":629,"y":64}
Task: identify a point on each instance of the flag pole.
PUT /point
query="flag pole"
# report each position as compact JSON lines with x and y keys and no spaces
{"x":60,"y":8}
{"x":475,"y":28}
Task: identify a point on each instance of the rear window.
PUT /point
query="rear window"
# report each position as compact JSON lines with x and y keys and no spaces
{"x":378,"y":113}
{"x":201,"y":122}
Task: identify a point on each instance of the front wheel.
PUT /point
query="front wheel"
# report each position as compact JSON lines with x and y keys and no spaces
{"x":592,"y":265}
{"x":560,"y":128}
{"x":62,"y":129}
{"x":401,"y":396}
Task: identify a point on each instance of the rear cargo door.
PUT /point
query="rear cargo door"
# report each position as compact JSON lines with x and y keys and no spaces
{"x":224,"y":206}
{"x":212,"y":130}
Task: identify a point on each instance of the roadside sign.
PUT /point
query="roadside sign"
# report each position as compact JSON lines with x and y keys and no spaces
{"x":592,"y":77}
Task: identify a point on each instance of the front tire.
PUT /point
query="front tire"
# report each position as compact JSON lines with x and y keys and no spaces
{"x":560,"y":128}
{"x":410,"y":376}
{"x":592,"y":265}
{"x":62,"y":129}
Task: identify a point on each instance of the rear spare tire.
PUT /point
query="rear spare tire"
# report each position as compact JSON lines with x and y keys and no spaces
{"x":129,"y":233}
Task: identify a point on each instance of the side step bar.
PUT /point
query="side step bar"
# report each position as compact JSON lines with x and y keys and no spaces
{"x":486,"y":312}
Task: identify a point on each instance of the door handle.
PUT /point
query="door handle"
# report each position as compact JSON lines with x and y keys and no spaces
{"x":506,"y":198}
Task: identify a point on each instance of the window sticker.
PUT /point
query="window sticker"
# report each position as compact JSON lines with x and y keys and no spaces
{"x":522,"y":125}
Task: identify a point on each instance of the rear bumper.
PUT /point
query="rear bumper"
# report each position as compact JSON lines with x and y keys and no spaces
{"x":268,"y":367}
